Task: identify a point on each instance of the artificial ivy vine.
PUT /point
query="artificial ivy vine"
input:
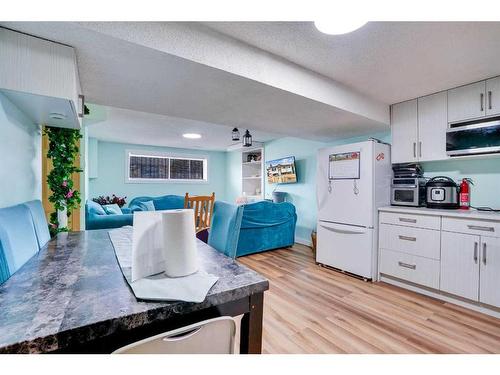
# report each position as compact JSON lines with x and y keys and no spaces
{"x":63,"y":151}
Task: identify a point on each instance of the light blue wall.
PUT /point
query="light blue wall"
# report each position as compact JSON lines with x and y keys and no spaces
{"x":225,"y":175}
{"x":484,"y":171}
{"x":20,"y":156}
{"x":111,"y":174}
{"x":485,"y":174}
{"x":303,"y":193}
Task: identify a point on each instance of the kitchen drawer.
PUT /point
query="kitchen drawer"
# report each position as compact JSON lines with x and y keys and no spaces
{"x":414,"y":241}
{"x":418,"y":270}
{"x":468,"y":226}
{"x":411,"y":220}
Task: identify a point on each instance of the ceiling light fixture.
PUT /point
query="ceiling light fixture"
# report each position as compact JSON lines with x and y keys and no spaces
{"x":338,"y":26}
{"x":247,"y":139}
{"x":192,"y":135}
{"x":236,"y":134}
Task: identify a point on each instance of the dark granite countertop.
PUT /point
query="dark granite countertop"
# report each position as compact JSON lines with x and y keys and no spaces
{"x":73,"y":292}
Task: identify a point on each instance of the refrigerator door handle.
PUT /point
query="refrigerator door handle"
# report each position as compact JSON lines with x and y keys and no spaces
{"x":343,"y":228}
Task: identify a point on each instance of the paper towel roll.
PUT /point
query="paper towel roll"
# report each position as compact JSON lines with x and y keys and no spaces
{"x":147,"y":245}
{"x":180,"y":251}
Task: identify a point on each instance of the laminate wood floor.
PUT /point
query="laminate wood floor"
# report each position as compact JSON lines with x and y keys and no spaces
{"x":311,"y":309}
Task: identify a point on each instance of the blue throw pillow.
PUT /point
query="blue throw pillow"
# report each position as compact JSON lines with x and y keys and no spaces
{"x":95,"y":208}
{"x":112,"y":209}
{"x":147,"y":206}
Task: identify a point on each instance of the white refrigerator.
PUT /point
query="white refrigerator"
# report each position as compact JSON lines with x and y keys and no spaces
{"x":353,"y":180}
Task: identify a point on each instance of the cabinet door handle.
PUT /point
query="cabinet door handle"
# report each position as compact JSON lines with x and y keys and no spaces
{"x":414,"y":149}
{"x":478,"y":227}
{"x":484,"y":253}
{"x":482,"y":101}
{"x":405,"y":220}
{"x":407,"y":238}
{"x":81,"y":99}
{"x":476,"y":246}
{"x":489,"y":99}
{"x":406,"y":265}
{"x":420,"y":148}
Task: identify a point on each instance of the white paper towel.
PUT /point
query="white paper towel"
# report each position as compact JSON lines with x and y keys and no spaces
{"x":180,"y":251}
{"x":164,"y":241}
{"x":147,"y":244}
{"x":159,"y":287}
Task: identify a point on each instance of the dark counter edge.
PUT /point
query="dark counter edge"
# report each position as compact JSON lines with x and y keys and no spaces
{"x":215,"y":305}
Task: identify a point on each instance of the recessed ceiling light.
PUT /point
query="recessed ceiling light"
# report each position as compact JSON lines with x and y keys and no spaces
{"x":57,"y":116}
{"x":338,"y":26}
{"x":192,"y":135}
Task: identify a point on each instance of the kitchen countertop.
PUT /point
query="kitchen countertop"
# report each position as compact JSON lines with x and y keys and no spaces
{"x":462,"y":214}
{"x":73,"y":292}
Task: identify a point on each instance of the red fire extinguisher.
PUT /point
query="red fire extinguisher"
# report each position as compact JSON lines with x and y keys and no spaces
{"x":465,"y":193}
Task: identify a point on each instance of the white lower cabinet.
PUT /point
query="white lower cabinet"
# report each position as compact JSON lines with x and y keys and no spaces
{"x":460,"y":264}
{"x":460,"y":257}
{"x":489,"y":280}
{"x":418,"y":270}
{"x":414,"y":241}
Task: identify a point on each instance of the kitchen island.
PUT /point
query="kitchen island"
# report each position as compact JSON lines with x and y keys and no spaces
{"x":72,"y":298}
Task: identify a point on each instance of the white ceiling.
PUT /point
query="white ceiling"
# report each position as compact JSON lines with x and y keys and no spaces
{"x":390,"y":61}
{"x":127,"y":126}
{"x":118,"y":73}
{"x":279,"y":78}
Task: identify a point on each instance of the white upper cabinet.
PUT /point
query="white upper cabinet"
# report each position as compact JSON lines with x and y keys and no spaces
{"x":493,"y":96}
{"x":404,"y":132}
{"x":467,"y":102}
{"x":419,"y":129}
{"x":41,"y":78}
{"x":432,"y":125}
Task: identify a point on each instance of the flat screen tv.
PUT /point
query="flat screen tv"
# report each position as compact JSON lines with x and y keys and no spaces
{"x":281,"y":171}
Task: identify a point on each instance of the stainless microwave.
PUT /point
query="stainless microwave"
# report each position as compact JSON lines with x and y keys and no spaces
{"x":473,"y":137}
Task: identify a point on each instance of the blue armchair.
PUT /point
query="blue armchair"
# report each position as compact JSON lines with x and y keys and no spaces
{"x":225,"y":228}
{"x":265,"y":226}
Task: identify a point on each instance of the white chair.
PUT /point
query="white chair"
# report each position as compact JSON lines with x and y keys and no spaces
{"x":213,"y":336}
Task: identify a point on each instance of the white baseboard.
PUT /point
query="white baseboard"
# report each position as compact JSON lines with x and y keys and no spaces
{"x":302,"y":241}
{"x":440,"y":295}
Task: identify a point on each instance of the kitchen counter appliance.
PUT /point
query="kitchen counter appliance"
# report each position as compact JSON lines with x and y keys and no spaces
{"x":442,"y":192}
{"x":408,"y":192}
{"x":473,"y":137}
{"x":408,"y":185}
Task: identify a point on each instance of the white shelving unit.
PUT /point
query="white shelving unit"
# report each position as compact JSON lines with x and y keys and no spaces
{"x":252,"y":173}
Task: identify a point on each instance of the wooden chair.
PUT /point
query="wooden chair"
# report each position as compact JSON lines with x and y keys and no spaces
{"x":203,"y":207}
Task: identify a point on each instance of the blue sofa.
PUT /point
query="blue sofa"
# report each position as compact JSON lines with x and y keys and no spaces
{"x":96,"y":217}
{"x":266,"y":226}
{"x":165,"y":202}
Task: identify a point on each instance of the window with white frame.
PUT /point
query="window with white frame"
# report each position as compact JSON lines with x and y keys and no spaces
{"x":157,"y":167}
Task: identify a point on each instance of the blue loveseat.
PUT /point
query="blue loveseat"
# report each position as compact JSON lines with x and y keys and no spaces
{"x":96,"y":217}
{"x":265,"y":226}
